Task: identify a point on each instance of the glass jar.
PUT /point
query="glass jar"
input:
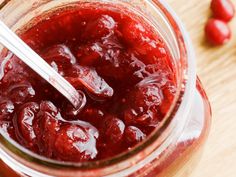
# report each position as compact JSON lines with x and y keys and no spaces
{"x":171,"y":150}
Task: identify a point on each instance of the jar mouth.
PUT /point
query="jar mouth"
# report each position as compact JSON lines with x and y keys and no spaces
{"x":186,"y":88}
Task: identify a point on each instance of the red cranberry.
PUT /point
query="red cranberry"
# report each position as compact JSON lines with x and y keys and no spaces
{"x":112,"y":51}
{"x":89,"y":54}
{"x":145,"y":101}
{"x":117,"y":69}
{"x":133,"y":32}
{"x":46,"y":130}
{"x":148,"y":92}
{"x":142,"y":43}
{"x":133,"y":135}
{"x":89,"y":79}
{"x":113,"y":58}
{"x":75,"y":143}
{"x":59,"y":57}
{"x":223,"y":9}
{"x":92,"y":115}
{"x":13,"y":68}
{"x":140,"y":116}
{"x":21,"y":92}
{"x":114,"y":129}
{"x":49,"y":107}
{"x":150,"y":50}
{"x":217,"y":32}
{"x":100,"y":27}
{"x":108,"y":57}
{"x":24,"y":123}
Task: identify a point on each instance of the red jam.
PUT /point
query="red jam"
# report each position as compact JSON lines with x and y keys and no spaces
{"x":115,"y":58}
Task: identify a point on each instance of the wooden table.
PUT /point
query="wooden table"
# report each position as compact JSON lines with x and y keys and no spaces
{"x":217,"y":70}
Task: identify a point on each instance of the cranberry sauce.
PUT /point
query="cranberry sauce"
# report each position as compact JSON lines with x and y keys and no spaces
{"x":115,"y":58}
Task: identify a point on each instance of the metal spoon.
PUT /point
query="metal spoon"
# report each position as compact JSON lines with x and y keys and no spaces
{"x":11,"y":41}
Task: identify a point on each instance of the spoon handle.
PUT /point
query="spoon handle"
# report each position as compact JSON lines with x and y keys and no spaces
{"x":11,"y":41}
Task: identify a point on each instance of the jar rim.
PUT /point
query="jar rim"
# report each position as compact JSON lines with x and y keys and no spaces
{"x":186,"y":89}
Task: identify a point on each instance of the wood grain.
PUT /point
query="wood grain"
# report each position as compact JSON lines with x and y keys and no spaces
{"x":217,"y":70}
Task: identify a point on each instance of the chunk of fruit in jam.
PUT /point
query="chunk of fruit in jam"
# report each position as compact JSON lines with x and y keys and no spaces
{"x":47,"y":128}
{"x":19,"y":93}
{"x":141,"y":43}
{"x":100,"y":27}
{"x":48,"y":107}
{"x":89,"y":54}
{"x":75,"y":143}
{"x":133,"y":135}
{"x":113,"y":129}
{"x":59,"y":57}
{"x":23,"y":124}
{"x":146,"y":100}
{"x":107,"y":56}
{"x":118,"y":63}
{"x":93,"y":115}
{"x":88,"y":78}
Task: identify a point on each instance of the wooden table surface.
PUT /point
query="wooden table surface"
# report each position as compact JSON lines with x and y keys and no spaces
{"x":217,"y":70}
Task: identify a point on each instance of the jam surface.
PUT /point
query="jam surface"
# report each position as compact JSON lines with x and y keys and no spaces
{"x":114,"y":58}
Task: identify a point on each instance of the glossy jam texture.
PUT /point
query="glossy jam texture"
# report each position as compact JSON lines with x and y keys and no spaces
{"x":119,"y":63}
